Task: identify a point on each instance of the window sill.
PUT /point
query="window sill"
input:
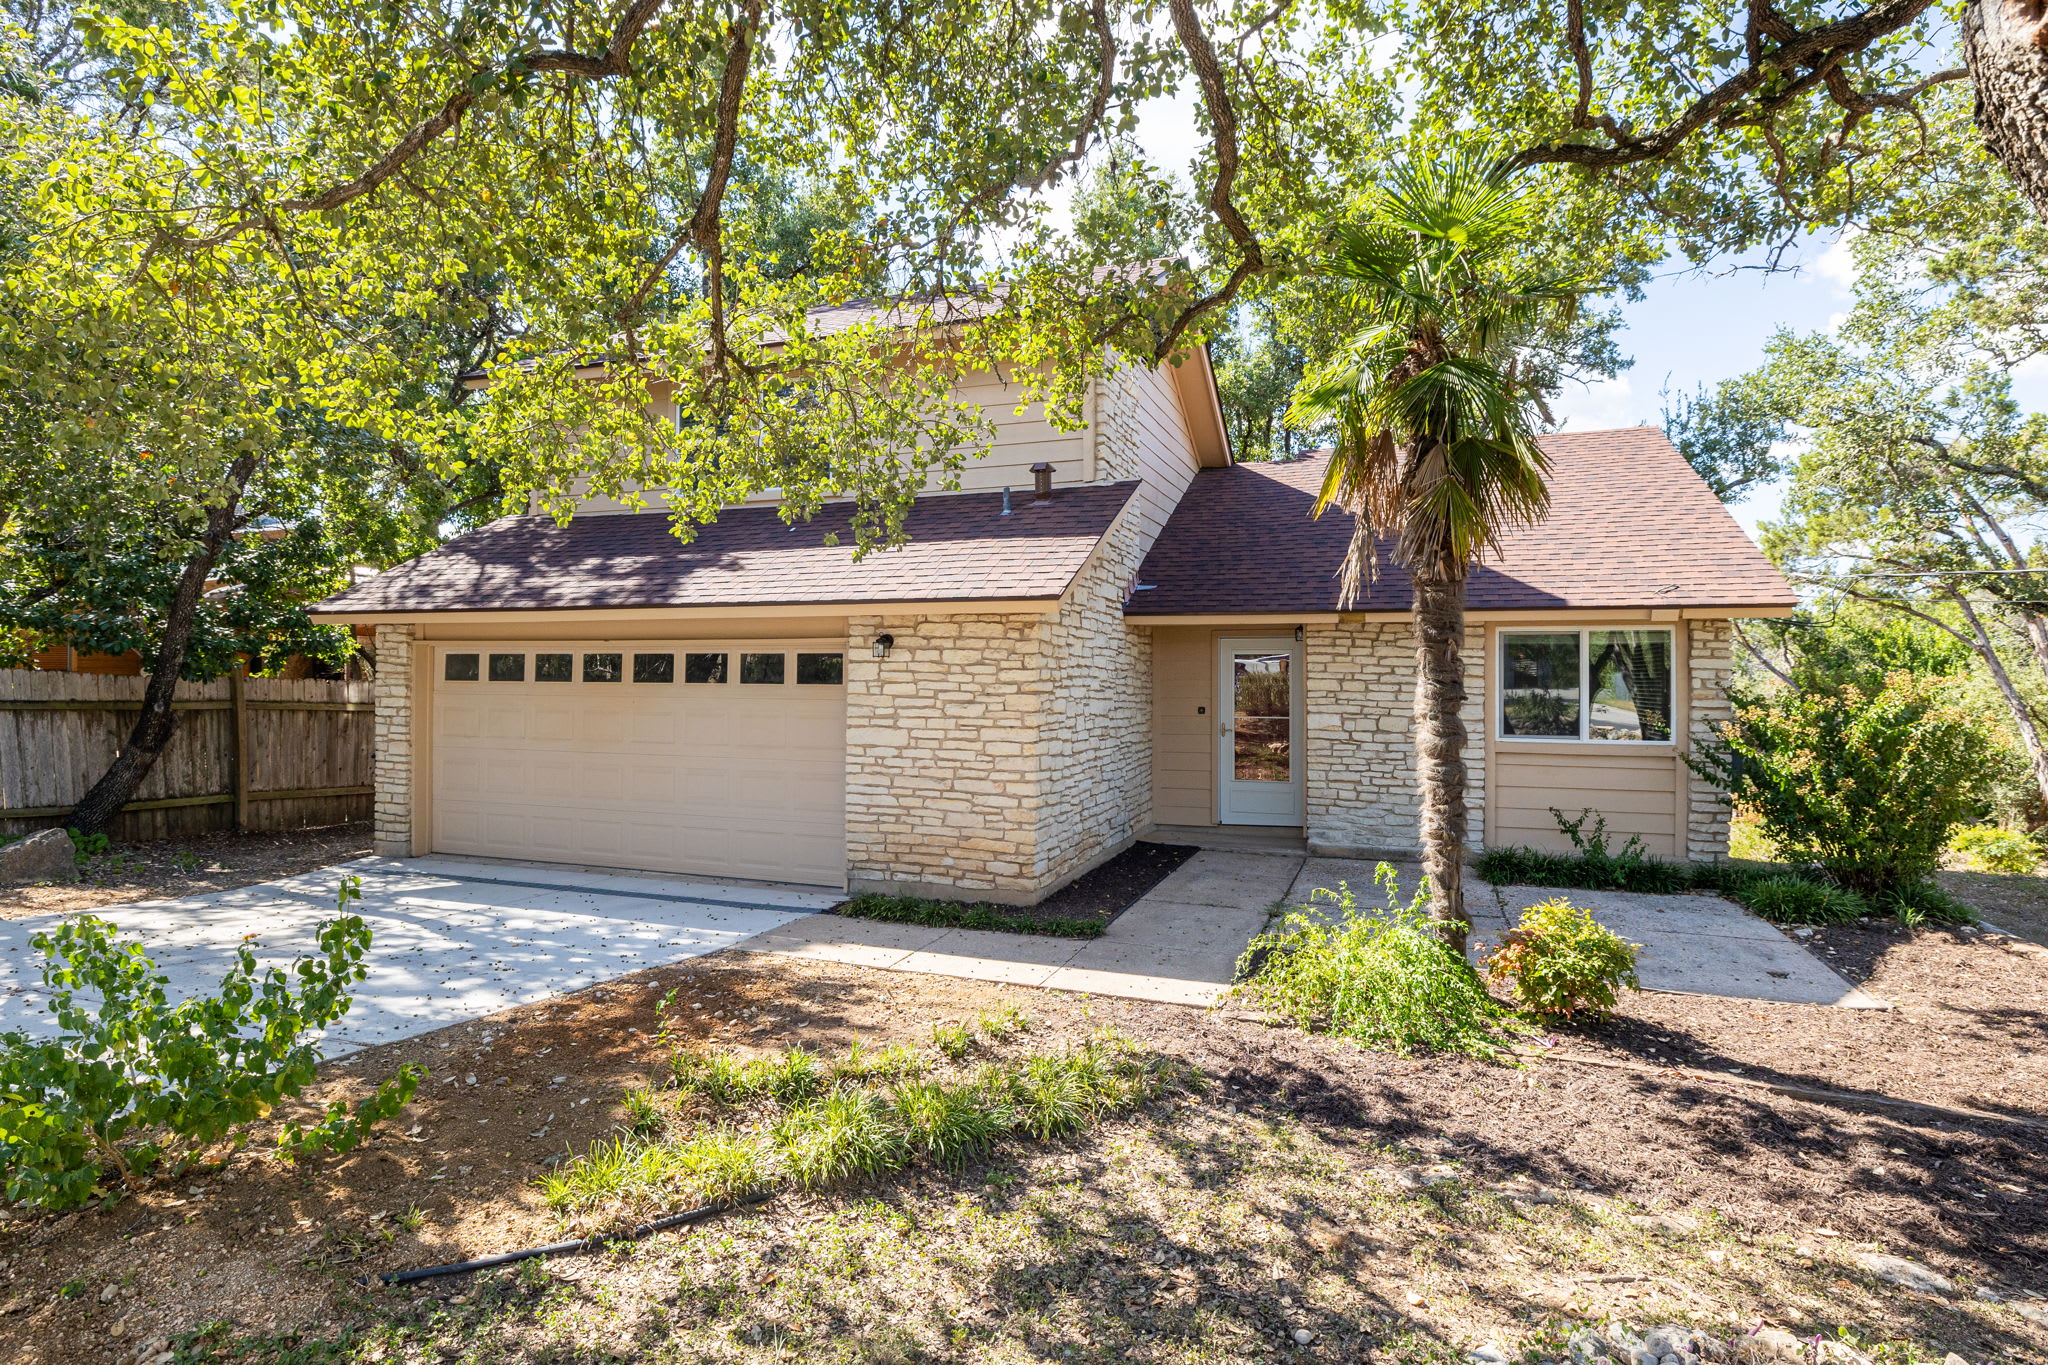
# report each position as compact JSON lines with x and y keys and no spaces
{"x":1587,"y":747}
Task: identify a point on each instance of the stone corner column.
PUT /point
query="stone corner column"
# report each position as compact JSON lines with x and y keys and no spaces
{"x":391,"y":831}
{"x":1710,"y":666}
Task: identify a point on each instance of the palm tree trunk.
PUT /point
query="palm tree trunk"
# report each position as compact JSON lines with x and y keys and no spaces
{"x":1440,"y":748}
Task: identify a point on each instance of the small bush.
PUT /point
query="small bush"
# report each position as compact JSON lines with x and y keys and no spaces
{"x":1798,"y":900}
{"x":1560,"y":961}
{"x":1382,"y":978}
{"x":1865,"y":784}
{"x":894,"y":1062}
{"x":133,"y":1085}
{"x":1924,"y":904}
{"x":1991,"y":848}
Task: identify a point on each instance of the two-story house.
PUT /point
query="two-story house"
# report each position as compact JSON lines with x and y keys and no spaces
{"x":1035,"y":681}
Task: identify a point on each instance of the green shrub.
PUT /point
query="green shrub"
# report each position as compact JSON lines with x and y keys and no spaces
{"x":1383,"y":978}
{"x":1924,"y":904}
{"x":1863,"y":784}
{"x":1800,"y":900}
{"x":133,"y":1085}
{"x":1992,"y":848}
{"x":1560,"y":961}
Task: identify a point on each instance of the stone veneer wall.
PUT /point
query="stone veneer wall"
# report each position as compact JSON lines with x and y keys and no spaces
{"x":1002,"y":756}
{"x":944,"y":769}
{"x":1709,"y":665}
{"x":1359,"y":695}
{"x":391,"y":833}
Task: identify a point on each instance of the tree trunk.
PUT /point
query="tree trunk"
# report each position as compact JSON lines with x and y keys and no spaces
{"x":153,"y":728}
{"x":2005,"y":45}
{"x":1440,"y":748}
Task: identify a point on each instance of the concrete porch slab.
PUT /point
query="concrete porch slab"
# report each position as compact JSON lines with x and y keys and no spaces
{"x":1179,"y":943}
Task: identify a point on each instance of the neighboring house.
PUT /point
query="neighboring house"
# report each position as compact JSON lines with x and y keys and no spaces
{"x":1014,"y":696}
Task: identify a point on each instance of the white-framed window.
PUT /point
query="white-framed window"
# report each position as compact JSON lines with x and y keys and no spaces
{"x":1596,"y":683}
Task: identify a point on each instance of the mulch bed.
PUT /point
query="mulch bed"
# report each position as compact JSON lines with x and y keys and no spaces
{"x":1099,"y":895}
{"x":170,"y":868}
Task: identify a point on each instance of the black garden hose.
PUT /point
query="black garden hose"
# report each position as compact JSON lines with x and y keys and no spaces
{"x":579,"y":1245}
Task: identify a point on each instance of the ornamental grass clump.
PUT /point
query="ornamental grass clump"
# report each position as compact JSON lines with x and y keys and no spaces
{"x":1383,"y":977}
{"x":1560,"y":962}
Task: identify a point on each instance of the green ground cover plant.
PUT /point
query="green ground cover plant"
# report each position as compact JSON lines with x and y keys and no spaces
{"x":959,"y":915}
{"x":1381,"y":977}
{"x":1561,"y":962}
{"x":134,"y":1087}
{"x":1783,"y":893}
{"x":863,"y":1124}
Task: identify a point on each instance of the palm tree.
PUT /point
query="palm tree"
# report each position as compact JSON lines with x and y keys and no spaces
{"x":1435,"y":450}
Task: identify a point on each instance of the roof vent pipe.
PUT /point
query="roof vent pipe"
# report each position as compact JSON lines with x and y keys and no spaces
{"x":1041,"y":481}
{"x":1006,"y":502}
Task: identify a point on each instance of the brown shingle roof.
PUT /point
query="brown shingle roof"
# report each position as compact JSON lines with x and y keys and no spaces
{"x":1630,"y":525}
{"x":960,"y":549}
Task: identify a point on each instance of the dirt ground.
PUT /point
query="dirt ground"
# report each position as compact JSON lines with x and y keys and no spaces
{"x":1395,"y":1209}
{"x":189,"y":867}
{"x":2015,"y":902}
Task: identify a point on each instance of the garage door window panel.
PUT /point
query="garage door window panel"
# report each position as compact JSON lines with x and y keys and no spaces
{"x":762,"y":668}
{"x":704,"y":668}
{"x":827,"y":670}
{"x":654,"y":668}
{"x":508,"y":668}
{"x":604,"y":668}
{"x":554,"y":668}
{"x":460,"y":667}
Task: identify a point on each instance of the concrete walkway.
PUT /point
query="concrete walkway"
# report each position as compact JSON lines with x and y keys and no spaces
{"x":452,"y":939}
{"x":1692,"y":944}
{"x":1179,"y":943}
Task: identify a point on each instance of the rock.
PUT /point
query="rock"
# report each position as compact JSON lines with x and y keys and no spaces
{"x":1953,"y":1359}
{"x":1668,"y":1340}
{"x":45,"y":856}
{"x":1586,"y":1346}
{"x":2033,"y":1313}
{"x":1768,"y":1346}
{"x":1989,"y":1295}
{"x":1903,"y":1273}
{"x":1487,"y":1353}
{"x":1837,"y":1353}
{"x":1302,"y":1336}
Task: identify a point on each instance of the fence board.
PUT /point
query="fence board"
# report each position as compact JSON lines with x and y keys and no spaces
{"x":59,"y":731}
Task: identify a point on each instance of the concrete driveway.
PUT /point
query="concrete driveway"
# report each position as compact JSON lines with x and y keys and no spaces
{"x":452,"y":939}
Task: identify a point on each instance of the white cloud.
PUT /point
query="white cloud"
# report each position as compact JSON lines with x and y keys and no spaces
{"x":1600,"y":405}
{"x":1838,"y":263}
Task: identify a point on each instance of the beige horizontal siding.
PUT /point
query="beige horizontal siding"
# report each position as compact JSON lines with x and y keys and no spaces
{"x":1638,"y":793}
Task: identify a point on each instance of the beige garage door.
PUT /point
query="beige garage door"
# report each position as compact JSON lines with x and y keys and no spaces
{"x":724,"y":759}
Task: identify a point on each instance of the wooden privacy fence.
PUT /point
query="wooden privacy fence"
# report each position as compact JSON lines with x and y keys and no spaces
{"x":248,"y":753}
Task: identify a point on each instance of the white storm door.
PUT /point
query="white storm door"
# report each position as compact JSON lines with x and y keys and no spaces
{"x":1258,"y":751}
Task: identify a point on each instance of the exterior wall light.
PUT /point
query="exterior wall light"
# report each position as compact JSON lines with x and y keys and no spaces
{"x":883,"y":644}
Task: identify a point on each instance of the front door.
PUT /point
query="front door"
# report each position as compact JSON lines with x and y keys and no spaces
{"x":1259,"y":731}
